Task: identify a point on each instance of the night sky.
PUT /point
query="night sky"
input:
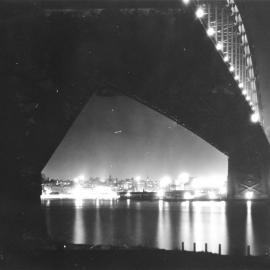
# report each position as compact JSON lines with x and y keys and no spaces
{"x":118,"y":136}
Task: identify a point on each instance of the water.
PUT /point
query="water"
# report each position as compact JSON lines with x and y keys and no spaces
{"x":162,"y":224}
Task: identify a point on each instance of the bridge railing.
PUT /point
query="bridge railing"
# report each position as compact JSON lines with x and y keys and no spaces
{"x":224,"y":26}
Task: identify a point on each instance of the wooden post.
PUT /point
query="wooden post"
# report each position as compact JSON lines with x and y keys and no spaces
{"x":194,"y":247}
{"x":183,"y":246}
{"x":219,"y":249}
{"x":205,"y":247}
{"x":248,"y":250}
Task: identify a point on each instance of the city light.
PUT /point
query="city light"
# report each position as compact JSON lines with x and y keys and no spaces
{"x":128,"y":194}
{"x":247,"y":98}
{"x":165,"y":181}
{"x":231,"y":68}
{"x":219,"y":46}
{"x":99,"y":192}
{"x":160,"y":194}
{"x":186,"y":2}
{"x":213,"y":182}
{"x":249,"y":195}
{"x":255,"y":117}
{"x":79,"y":178}
{"x":210,"y":31}
{"x":182,"y":179}
{"x":236,"y":77}
{"x":223,"y":191}
{"x":212,"y":195}
{"x":188,"y":196}
{"x":138,"y":178}
{"x":199,"y":12}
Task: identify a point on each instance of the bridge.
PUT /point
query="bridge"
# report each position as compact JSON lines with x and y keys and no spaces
{"x":190,"y":60}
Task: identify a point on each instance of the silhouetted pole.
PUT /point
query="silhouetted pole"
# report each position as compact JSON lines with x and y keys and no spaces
{"x":194,"y":247}
{"x":248,"y":250}
{"x":183,"y":246}
{"x":205,"y":247}
{"x":219,"y":249}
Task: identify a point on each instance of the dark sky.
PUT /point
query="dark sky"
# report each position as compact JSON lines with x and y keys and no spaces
{"x":121,"y":137}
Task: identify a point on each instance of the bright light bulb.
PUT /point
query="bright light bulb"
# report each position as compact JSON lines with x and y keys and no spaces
{"x":241,"y":85}
{"x":247,"y":98}
{"x":219,"y":46}
{"x":231,"y":69}
{"x":199,"y":12}
{"x":244,"y":92}
{"x":160,"y":194}
{"x":210,"y":31}
{"x":226,"y":58}
{"x":236,"y":77}
{"x":249,"y":195}
{"x":255,"y":117}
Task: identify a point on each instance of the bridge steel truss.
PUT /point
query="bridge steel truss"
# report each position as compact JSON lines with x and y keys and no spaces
{"x":224,"y":26}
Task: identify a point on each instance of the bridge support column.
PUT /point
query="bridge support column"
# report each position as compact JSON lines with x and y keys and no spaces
{"x":249,"y":168}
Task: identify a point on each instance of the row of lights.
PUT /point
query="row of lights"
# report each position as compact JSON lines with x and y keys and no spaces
{"x":200,"y":13}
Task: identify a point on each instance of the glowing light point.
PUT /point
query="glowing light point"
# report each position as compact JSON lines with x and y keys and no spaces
{"x":138,"y":178}
{"x":226,"y":58}
{"x":223,"y":191}
{"x":219,"y":46}
{"x":247,"y":98}
{"x":241,"y":85}
{"x":244,"y":92}
{"x":255,"y":117}
{"x":231,"y":68}
{"x":186,"y":2}
{"x":165,"y":182}
{"x":236,"y":77}
{"x":210,"y":31}
{"x":128,"y":194}
{"x":212,"y":195}
{"x":199,"y":13}
{"x":160,"y":194}
{"x":249,"y":195}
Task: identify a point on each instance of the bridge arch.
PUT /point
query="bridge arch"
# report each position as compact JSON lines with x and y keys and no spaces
{"x":224,"y":25}
{"x":48,"y":84}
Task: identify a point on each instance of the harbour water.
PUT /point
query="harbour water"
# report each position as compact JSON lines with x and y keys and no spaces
{"x":161,"y":224}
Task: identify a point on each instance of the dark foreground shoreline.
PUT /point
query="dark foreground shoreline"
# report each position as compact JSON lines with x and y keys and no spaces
{"x":112,"y":258}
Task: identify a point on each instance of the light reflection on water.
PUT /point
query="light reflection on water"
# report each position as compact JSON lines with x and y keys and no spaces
{"x":159,"y":224}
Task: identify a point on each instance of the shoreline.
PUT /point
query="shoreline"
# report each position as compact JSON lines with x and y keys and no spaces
{"x":109,"y":257}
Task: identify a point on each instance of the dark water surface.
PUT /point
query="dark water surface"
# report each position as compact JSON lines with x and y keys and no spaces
{"x":161,"y":224}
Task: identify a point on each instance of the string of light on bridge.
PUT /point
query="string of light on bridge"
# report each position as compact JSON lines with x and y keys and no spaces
{"x":224,"y":26}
